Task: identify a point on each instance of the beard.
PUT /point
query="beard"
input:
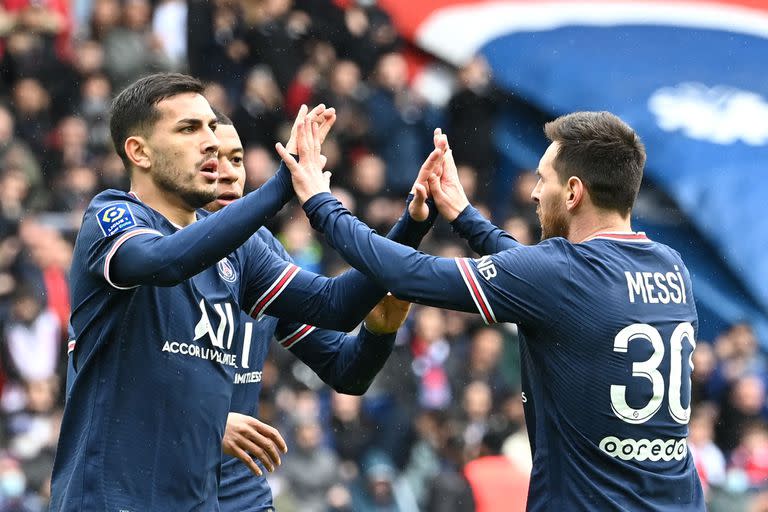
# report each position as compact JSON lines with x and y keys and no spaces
{"x":182,"y":184}
{"x":554,"y":222}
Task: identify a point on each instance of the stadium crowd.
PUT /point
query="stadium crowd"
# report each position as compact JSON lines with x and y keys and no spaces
{"x":443,"y":423}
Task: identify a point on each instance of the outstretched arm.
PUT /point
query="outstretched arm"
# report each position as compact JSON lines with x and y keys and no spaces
{"x":143,"y":256}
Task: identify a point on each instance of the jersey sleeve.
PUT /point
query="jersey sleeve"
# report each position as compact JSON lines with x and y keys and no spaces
{"x":294,"y":293}
{"x":112,"y":219}
{"x":481,"y":235}
{"x":281,"y":289}
{"x":154,"y":259}
{"x":346,"y":362}
{"x":512,"y":286}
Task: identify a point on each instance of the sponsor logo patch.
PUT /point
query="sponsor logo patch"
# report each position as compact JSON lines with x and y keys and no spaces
{"x":115,"y":218}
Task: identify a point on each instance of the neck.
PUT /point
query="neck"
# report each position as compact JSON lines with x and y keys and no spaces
{"x":587,"y":225}
{"x":168,"y":204}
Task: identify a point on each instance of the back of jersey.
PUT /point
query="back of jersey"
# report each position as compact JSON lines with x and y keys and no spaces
{"x":606,"y":381}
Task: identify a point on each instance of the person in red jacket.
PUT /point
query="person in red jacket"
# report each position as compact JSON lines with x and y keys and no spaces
{"x":498,"y":485}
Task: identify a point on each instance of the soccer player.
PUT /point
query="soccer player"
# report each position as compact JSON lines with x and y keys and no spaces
{"x":606,"y":315}
{"x":348,"y":363}
{"x":155,"y":291}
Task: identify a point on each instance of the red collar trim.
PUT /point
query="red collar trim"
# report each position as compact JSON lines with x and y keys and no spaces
{"x":624,"y":237}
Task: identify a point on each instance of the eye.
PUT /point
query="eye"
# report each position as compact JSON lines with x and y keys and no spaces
{"x":238,"y":161}
{"x":188,"y":129}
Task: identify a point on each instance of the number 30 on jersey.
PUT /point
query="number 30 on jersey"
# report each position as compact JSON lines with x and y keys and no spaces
{"x":649,"y":369}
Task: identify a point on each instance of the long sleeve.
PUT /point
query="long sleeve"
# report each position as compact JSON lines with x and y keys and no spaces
{"x":348,"y":363}
{"x":481,"y":235}
{"x":407,"y":273}
{"x":154,"y":259}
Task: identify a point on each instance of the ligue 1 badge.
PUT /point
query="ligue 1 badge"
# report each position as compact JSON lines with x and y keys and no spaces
{"x":226,"y":270}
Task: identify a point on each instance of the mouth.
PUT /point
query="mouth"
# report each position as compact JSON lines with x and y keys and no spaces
{"x":227,"y":198}
{"x":210,"y":169}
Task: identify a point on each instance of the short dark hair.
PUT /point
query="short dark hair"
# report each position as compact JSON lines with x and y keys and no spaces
{"x":604,"y":152}
{"x":135,"y":108}
{"x":221,"y":118}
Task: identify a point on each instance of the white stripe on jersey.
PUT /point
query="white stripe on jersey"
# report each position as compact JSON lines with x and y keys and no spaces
{"x":116,"y":245}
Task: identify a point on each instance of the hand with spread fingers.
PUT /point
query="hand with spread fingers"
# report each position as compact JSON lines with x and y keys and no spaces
{"x":307,"y":174}
{"x":320,"y":115}
{"x":246,"y":437}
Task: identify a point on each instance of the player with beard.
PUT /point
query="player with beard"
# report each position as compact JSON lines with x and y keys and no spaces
{"x":156,"y":287}
{"x":606,"y":316}
{"x":348,"y":363}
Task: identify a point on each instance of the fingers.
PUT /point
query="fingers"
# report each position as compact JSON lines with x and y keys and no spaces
{"x":273,"y":434}
{"x":247,"y":460}
{"x":329,"y":118}
{"x":419,"y":194}
{"x":327,"y":176}
{"x":430,"y":166}
{"x":287,"y":157}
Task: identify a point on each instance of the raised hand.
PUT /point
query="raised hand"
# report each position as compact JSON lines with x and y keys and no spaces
{"x":307,"y":174}
{"x":246,"y":437}
{"x":323,"y":117}
{"x":388,"y":315}
{"x":444,"y":186}
{"x":418,"y":209}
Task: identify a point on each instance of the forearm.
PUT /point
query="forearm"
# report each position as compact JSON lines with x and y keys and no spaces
{"x":481,"y":235}
{"x":348,"y":363}
{"x":410,"y":232}
{"x":169,"y":260}
{"x":407,"y":273}
{"x":352,"y":295}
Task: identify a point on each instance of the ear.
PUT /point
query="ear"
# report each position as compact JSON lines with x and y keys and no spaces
{"x":138,"y":152}
{"x":575,"y":193}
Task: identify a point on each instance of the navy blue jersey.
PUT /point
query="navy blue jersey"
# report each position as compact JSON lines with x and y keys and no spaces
{"x":348,"y":363}
{"x":607,"y":330}
{"x":156,"y":310}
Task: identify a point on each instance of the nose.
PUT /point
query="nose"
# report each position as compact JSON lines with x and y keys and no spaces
{"x":536,"y":192}
{"x":211,"y":142}
{"x":226,"y":174}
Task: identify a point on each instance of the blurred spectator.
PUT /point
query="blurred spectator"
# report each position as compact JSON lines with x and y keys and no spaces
{"x":430,"y":353}
{"x":471,"y":114}
{"x":751,"y":455}
{"x":707,"y":456}
{"x":131,"y":49}
{"x":31,"y":103}
{"x":169,"y":24}
{"x":351,"y":430}
{"x":14,"y":152}
{"x":259,"y":113}
{"x":482,"y":362}
{"x":32,"y":337}
{"x":309,"y":468}
{"x":296,"y":237}
{"x":378,"y":488}
{"x":496,"y":483}
{"x":400,"y":123}
{"x":744,"y":404}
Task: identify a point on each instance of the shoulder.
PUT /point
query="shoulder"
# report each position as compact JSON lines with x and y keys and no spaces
{"x":114,"y":211}
{"x":552,"y":252}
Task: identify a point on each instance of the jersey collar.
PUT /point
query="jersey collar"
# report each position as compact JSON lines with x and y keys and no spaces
{"x":620,"y":236}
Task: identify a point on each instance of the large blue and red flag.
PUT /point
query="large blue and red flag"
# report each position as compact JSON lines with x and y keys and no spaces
{"x":690,"y":76}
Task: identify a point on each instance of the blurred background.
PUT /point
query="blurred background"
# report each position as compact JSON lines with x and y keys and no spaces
{"x":444,"y":419}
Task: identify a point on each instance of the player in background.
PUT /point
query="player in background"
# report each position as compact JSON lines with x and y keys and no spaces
{"x":156,"y":287}
{"x":606,"y":316}
{"x":348,"y":363}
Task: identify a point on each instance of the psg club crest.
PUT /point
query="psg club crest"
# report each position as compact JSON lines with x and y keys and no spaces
{"x":226,"y":270}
